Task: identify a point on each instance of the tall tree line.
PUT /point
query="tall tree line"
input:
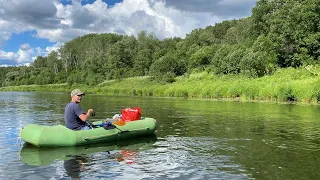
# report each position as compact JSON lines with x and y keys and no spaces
{"x":278,"y":34}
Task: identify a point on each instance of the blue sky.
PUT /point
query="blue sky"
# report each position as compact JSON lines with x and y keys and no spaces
{"x":29,"y":28}
{"x":25,"y":37}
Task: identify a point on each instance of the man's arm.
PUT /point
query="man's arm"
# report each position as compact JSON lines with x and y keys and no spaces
{"x":86,"y":116}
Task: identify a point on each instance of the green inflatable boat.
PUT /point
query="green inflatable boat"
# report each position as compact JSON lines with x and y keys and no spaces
{"x":55,"y":136}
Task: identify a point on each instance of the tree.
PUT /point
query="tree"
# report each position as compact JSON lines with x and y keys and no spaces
{"x":143,"y":59}
{"x":260,"y":15}
{"x":121,"y":58}
{"x":288,"y":23}
{"x":53,"y":63}
{"x":260,"y":59}
{"x":220,"y":63}
{"x":40,"y":62}
{"x":167,"y":67}
{"x":202,"y":57}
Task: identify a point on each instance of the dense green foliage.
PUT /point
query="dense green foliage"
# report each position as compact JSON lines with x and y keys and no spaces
{"x":278,"y":34}
{"x":300,"y":85}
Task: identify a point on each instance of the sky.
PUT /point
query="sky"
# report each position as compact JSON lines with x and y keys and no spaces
{"x":31,"y":28}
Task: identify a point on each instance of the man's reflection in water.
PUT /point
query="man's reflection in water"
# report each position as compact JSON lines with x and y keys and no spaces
{"x":75,"y":166}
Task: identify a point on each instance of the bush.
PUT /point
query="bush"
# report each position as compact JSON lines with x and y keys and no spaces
{"x":75,"y":78}
{"x":163,"y":69}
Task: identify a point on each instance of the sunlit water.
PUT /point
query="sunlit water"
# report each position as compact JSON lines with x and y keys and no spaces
{"x":195,"y":139}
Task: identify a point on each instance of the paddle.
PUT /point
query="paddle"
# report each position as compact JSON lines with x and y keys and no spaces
{"x":119,"y":123}
{"x":89,"y":124}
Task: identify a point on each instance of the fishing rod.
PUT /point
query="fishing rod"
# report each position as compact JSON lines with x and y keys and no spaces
{"x":93,"y":114}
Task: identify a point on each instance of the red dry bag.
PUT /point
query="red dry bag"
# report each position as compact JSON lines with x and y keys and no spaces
{"x":131,"y":114}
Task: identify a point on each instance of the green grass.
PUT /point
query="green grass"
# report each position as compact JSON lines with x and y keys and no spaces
{"x":286,"y":85}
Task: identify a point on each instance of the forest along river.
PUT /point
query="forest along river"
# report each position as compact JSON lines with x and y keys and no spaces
{"x":195,"y":139}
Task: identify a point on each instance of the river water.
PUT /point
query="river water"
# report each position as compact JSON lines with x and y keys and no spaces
{"x":195,"y":139}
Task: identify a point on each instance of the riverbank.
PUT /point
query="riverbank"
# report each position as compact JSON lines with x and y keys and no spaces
{"x":286,"y":85}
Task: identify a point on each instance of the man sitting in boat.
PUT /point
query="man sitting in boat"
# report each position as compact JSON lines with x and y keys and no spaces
{"x":74,"y":117}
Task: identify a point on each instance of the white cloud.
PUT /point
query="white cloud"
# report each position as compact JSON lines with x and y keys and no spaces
{"x":60,"y":35}
{"x":23,"y":55}
{"x":26,"y":54}
{"x":53,"y":48}
{"x":7,"y":55}
{"x":225,"y":9}
{"x":129,"y":17}
{"x":234,"y":2}
{"x":34,"y":13}
{"x":7,"y":28}
{"x":59,"y":23}
{"x":44,"y":52}
{"x":4,"y":36}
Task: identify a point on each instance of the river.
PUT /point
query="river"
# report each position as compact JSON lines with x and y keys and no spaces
{"x":195,"y":139}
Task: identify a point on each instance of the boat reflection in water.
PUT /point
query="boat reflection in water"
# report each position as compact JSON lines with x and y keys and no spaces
{"x":79,"y":164}
{"x":80,"y":155}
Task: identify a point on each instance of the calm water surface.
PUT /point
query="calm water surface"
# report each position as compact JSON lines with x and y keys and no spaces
{"x":196,"y":139}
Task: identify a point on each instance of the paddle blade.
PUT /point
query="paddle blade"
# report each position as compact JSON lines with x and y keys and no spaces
{"x":119,"y":123}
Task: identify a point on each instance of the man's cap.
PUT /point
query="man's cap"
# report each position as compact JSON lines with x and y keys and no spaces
{"x":76,"y":92}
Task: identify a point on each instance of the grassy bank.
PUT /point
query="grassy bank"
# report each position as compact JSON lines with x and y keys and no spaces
{"x":286,"y":85}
